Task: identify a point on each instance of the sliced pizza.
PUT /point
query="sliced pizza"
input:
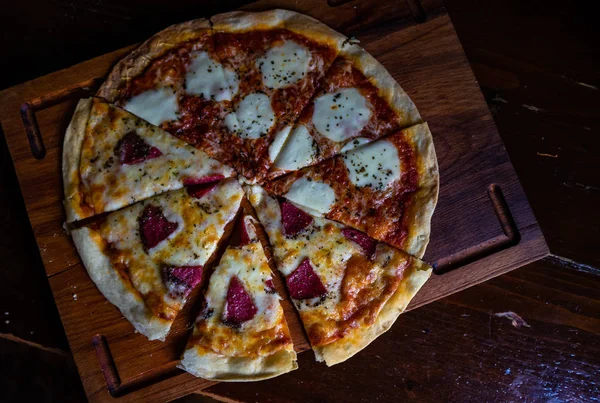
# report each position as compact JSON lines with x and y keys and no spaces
{"x":148,"y":257}
{"x":112,"y":159}
{"x":279,"y":57}
{"x":358,"y":101}
{"x":347,"y":287}
{"x":241,"y":333}
{"x":387,"y":188}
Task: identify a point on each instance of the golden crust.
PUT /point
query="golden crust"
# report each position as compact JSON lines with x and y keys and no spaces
{"x":71,"y":158}
{"x":388,"y":87}
{"x":238,"y":369}
{"x":425,"y":199}
{"x":136,"y":62}
{"x":243,"y":21}
{"x":340,"y":350}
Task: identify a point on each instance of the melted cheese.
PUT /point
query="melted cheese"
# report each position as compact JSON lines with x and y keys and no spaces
{"x":254,"y":337}
{"x":206,"y":77}
{"x":111,"y":184}
{"x":322,"y":242}
{"x":341,"y":115}
{"x":375,"y":165}
{"x":255,"y":116}
{"x":278,"y":142}
{"x":341,"y":266}
{"x":299,"y":150}
{"x":201,"y":223}
{"x":315,"y":195}
{"x":249,"y":264}
{"x":284,"y":64}
{"x":355,"y":142}
{"x":156,"y":106}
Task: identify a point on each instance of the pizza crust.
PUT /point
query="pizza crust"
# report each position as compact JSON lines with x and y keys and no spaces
{"x":136,"y":62}
{"x":114,"y":288}
{"x":342,"y":349}
{"x":71,"y":158}
{"x":217,"y":367}
{"x":388,"y":87}
{"x":243,"y":21}
{"x":425,"y":199}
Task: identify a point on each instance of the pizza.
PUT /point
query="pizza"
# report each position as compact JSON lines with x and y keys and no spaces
{"x":241,"y":154}
{"x":358,"y":101}
{"x":112,"y":158}
{"x":241,"y":333}
{"x":347,"y":287}
{"x":148,"y":257}
{"x":387,"y":188}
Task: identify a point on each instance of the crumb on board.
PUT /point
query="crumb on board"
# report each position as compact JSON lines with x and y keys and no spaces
{"x":515,"y":319}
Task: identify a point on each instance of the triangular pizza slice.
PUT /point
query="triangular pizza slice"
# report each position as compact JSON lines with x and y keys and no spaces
{"x":148,"y":257}
{"x":278,"y":56}
{"x":358,"y":101}
{"x":112,"y":159}
{"x":241,"y":333}
{"x":387,"y":188}
{"x":347,"y":287}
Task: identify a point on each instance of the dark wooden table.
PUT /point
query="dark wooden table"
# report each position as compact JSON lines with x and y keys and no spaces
{"x":538,"y":66}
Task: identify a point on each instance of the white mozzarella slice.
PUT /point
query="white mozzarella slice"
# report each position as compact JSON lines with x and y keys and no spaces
{"x":277,"y":143}
{"x":375,"y":165}
{"x":342,"y":114}
{"x":284,"y":64}
{"x":355,"y":142}
{"x":205,"y":77}
{"x":255,"y":116}
{"x":155,"y":106}
{"x":231,"y":122}
{"x":233,"y":82}
{"x":315,"y":195}
{"x":299,"y":151}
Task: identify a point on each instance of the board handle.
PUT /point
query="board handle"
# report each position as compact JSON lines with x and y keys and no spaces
{"x":29,"y":108}
{"x":510,"y":237}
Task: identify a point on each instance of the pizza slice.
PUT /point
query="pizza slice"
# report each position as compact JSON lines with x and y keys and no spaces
{"x":348,"y":288}
{"x":358,"y":101}
{"x":241,"y":333}
{"x":112,"y":159}
{"x":387,"y":188}
{"x":148,"y":257}
{"x":279,"y":57}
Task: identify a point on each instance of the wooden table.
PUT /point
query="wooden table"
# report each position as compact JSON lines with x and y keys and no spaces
{"x":456,"y":349}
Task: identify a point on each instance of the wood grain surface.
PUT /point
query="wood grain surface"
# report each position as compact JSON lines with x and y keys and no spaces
{"x":490,"y":66}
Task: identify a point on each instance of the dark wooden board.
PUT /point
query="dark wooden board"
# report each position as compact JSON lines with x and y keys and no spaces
{"x":494,"y":234}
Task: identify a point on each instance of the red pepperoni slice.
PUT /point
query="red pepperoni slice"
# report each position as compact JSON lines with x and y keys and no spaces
{"x":202,"y":189}
{"x":187,"y":277}
{"x":293,"y":219}
{"x":367,"y":244}
{"x":202,"y":180}
{"x":303,"y":283}
{"x":154,"y":227}
{"x":132,"y":149}
{"x":239,"y":236}
{"x":239,"y":307}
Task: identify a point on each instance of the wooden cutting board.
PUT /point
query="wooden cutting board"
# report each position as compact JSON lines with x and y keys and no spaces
{"x":482,"y":227}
